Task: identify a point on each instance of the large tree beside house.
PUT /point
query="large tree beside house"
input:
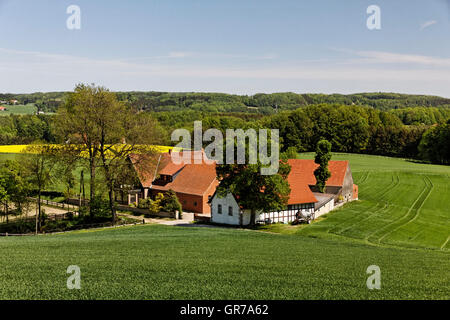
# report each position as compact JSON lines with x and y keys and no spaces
{"x":255,"y":191}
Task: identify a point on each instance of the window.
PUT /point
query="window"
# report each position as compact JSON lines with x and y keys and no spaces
{"x":230,"y":211}
{"x":219,"y":209}
{"x":195,"y":203}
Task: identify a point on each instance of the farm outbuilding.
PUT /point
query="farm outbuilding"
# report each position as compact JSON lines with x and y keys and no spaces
{"x":194,"y":182}
{"x":303,"y":199}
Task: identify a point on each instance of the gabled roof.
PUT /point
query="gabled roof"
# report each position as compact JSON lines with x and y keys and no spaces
{"x":306,"y":168}
{"x":146,"y":167}
{"x":300,"y":191}
{"x":302,"y":176}
{"x":192,"y":178}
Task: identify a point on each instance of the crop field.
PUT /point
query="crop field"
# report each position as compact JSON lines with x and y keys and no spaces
{"x":19,"y":109}
{"x":400,"y":224}
{"x":401,"y":203}
{"x":164,"y":262}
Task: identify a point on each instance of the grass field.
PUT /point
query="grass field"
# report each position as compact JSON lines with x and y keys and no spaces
{"x":402,"y":203}
{"x":400,"y":224}
{"x":19,"y":109}
{"x":163,"y":262}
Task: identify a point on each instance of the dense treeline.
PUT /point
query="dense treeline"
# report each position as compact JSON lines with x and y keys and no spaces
{"x":435,"y":146}
{"x":421,"y":115}
{"x":349,"y":128}
{"x":16,"y":129}
{"x":380,"y":123}
{"x":258,"y":103}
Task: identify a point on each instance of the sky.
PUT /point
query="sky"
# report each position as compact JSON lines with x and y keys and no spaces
{"x":232,"y":46}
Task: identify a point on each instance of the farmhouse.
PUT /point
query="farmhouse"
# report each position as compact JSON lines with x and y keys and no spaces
{"x":193,"y":183}
{"x":303,"y":199}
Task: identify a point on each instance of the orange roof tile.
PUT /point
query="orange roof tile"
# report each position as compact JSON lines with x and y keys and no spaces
{"x":302,"y":176}
{"x":197,"y":178}
{"x":192,"y":178}
{"x":306,"y":169}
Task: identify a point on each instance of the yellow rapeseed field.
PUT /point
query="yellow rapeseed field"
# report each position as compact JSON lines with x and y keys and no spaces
{"x":22,"y":148}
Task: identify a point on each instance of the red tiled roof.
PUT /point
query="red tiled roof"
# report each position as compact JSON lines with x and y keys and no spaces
{"x":192,"y":178}
{"x":146,"y":167}
{"x":300,"y":191}
{"x":302,"y":176}
{"x":167,"y":167}
{"x":197,"y":178}
{"x":306,"y":169}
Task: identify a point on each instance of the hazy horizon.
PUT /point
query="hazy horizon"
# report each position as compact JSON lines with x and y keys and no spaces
{"x":236,"y":47}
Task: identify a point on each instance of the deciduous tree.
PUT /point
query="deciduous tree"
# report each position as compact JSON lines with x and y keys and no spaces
{"x":323,"y":156}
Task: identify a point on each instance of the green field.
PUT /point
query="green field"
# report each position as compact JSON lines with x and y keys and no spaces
{"x":402,"y":204}
{"x":19,"y":109}
{"x":163,"y":262}
{"x":401,"y":224}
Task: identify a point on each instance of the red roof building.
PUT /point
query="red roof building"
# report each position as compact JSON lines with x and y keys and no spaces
{"x":303,"y":198}
{"x":193,"y":182}
{"x":302,"y":180}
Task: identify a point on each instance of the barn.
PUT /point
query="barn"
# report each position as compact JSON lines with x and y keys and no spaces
{"x":194,"y":183}
{"x":303,"y":198}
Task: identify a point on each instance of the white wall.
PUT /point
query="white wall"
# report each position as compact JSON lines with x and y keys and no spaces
{"x":327,"y":207}
{"x":224,"y":217}
{"x":285,"y":216}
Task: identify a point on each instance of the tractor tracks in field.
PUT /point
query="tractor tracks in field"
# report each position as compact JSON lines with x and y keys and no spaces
{"x":364,"y":177}
{"x":445,"y":243}
{"x":415,"y":208}
{"x":394,"y":183}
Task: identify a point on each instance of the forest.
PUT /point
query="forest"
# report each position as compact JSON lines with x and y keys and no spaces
{"x":372,"y":123}
{"x":221,"y":102}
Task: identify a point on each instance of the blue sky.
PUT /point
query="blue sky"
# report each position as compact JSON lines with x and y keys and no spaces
{"x":244,"y":46}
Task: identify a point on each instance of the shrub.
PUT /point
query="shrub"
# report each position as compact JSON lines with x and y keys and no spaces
{"x":100,"y":207}
{"x":153,"y":206}
{"x":170,"y":203}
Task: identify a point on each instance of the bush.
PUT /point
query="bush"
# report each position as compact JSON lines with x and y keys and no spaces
{"x":153,"y":206}
{"x":170,"y":203}
{"x":100,"y":207}
{"x":167,"y":202}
